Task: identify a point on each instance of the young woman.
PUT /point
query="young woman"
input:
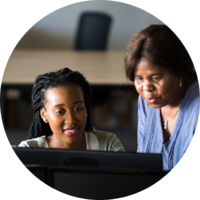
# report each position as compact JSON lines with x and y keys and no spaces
{"x":61,"y":103}
{"x":169,"y":100}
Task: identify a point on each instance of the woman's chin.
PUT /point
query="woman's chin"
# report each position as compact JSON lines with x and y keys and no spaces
{"x":72,"y":141}
{"x":155,"y":105}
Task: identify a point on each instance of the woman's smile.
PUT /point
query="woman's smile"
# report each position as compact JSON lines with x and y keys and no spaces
{"x":71,"y":131}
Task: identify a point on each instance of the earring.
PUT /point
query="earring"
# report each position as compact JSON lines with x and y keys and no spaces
{"x":180,"y":82}
{"x":45,"y":121}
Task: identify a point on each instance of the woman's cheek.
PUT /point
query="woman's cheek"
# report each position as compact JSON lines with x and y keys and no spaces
{"x":138,"y":88}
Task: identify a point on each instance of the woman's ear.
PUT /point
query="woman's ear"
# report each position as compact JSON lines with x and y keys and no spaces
{"x":43,"y":115}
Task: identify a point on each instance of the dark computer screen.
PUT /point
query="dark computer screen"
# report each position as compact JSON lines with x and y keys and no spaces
{"x":88,"y":158}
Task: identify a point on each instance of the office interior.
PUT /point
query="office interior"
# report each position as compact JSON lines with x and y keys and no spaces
{"x":49,"y":45}
{"x":114,"y":103}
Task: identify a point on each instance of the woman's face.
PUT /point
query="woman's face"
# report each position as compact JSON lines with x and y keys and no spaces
{"x":157,"y":86}
{"x":66,"y":113}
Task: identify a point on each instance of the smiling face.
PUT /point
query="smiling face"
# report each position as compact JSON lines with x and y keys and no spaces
{"x":66,"y":114}
{"x":157,"y":86}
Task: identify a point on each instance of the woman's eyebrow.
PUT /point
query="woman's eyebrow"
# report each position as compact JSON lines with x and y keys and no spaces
{"x":156,"y":74}
{"x":58,"y":105}
{"x":150,"y":75}
{"x":78,"y":102}
{"x":137,"y":75}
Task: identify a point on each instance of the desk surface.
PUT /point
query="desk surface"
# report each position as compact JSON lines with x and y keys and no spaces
{"x":104,"y":67}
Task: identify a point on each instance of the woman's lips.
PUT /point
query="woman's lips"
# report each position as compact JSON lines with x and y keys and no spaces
{"x":71,"y":131}
{"x":151,"y":100}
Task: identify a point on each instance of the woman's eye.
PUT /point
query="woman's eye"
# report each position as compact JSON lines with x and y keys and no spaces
{"x":156,"y":79}
{"x":78,"y":109}
{"x":138,"y":78}
{"x":59,"y":112}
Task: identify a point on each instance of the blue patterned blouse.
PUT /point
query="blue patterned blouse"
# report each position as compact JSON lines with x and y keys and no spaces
{"x":150,"y":134}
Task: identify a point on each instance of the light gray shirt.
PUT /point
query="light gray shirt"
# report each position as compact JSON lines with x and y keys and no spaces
{"x":95,"y":140}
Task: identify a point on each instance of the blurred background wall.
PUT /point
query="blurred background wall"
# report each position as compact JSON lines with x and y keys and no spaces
{"x":58,"y":29}
{"x":117,"y":113}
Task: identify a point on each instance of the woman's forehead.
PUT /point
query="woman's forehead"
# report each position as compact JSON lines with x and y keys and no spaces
{"x":71,"y":91}
{"x":144,"y":66}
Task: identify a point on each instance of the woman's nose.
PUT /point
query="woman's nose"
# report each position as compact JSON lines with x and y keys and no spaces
{"x":70,"y":118}
{"x":148,"y":86}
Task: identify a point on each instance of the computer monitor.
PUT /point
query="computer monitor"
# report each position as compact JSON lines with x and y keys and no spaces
{"x":65,"y":157}
{"x":96,"y":182}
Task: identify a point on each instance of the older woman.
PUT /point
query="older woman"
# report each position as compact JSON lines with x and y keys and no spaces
{"x":168,"y":105}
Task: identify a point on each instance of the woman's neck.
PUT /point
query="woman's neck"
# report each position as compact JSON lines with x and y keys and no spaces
{"x":54,"y":142}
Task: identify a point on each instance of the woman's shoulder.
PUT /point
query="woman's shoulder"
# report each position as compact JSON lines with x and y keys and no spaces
{"x":107,"y":141}
{"x":39,"y":142}
{"x":142,"y":104}
{"x":192,"y":96}
{"x":102,"y":134}
{"x":143,"y":110}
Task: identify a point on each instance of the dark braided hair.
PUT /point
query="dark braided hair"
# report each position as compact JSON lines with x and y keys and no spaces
{"x":42,"y":83}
